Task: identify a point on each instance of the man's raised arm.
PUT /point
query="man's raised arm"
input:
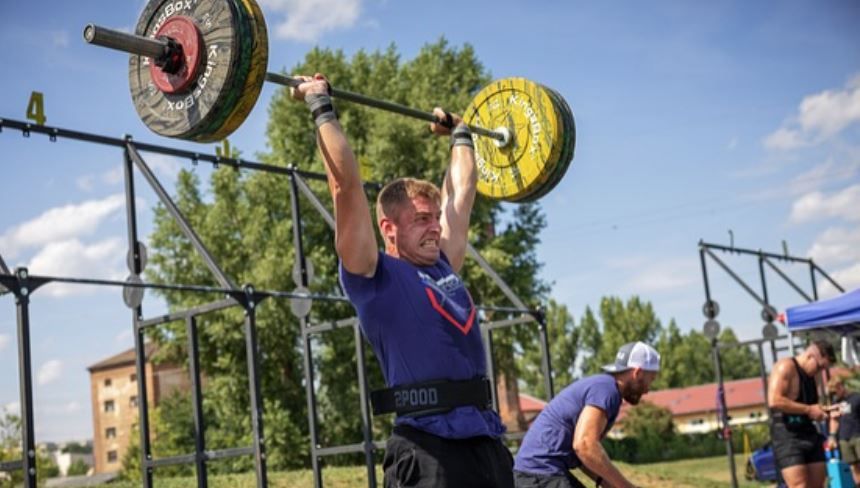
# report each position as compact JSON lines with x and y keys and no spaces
{"x":458,"y":189}
{"x":355,"y":238}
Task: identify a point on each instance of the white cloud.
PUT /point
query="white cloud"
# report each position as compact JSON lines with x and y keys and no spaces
{"x":60,"y":223}
{"x":848,"y":278}
{"x":820,"y":117}
{"x":816,"y":205}
{"x":836,"y":245}
{"x":4,"y":341}
{"x":732,"y":144}
{"x":14,"y":408}
{"x":167,"y":166}
{"x":60,"y":38}
{"x":649,"y":275}
{"x":72,"y":258}
{"x":68,"y":407}
{"x":49,"y":371}
{"x":307,"y":20}
{"x":85,"y":183}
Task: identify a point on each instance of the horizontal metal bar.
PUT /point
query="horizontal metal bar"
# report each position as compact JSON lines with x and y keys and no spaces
{"x":346,"y":449}
{"x":56,"y":132}
{"x":228,"y":453}
{"x":500,"y":324}
{"x":172,"y":460}
{"x":207,"y":455}
{"x":740,"y":250}
{"x":494,"y":308}
{"x":327,"y":326}
{"x":35,"y":279}
{"x":12,"y":465}
{"x":184,"y":314}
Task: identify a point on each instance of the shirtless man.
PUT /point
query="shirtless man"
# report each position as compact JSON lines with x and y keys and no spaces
{"x":798,"y":446}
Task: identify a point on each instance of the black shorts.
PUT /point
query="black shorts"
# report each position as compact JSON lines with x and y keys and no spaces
{"x":416,"y":458}
{"x":529,"y":480}
{"x":796,"y":445}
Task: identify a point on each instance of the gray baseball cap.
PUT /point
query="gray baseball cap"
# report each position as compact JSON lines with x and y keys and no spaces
{"x":634,"y":355}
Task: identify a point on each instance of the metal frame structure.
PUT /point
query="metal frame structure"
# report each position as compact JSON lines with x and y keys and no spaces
{"x":22,"y":284}
{"x":768,"y":315}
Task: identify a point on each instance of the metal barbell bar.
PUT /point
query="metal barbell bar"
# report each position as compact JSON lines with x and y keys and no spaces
{"x":162,"y":50}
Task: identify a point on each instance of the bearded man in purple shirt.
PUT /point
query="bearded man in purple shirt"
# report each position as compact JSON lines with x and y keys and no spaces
{"x":414,"y":309}
{"x":567,"y":433}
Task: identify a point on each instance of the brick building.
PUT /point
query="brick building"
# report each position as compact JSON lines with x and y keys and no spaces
{"x":113,"y":386}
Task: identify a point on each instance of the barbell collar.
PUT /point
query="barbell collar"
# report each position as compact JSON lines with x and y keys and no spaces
{"x":387,"y":106}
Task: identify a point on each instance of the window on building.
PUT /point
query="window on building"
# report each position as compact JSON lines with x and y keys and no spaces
{"x":109,"y":406}
{"x":132,"y":401}
{"x":110,"y":433}
{"x":111,"y":456}
{"x":133,"y":377}
{"x":107,"y":382}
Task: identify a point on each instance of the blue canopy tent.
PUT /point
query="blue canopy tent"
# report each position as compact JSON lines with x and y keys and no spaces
{"x":839,"y":314}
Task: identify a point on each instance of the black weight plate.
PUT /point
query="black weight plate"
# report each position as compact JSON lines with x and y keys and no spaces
{"x":181,"y":115}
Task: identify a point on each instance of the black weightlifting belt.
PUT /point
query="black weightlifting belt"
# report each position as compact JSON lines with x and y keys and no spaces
{"x":431,"y":397}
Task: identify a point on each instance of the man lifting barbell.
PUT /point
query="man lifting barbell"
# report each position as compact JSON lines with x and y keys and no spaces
{"x":414,"y":309}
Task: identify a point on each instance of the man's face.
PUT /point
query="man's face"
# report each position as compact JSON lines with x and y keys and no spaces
{"x":639,"y":384}
{"x":416,"y":231}
{"x":821,"y":362}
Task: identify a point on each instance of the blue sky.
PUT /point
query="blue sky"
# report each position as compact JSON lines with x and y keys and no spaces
{"x":692,"y":119}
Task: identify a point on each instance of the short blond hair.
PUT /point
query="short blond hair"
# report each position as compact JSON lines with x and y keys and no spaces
{"x":401,"y":191}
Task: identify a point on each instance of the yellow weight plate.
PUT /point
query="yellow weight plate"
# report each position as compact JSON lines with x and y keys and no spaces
{"x":567,"y":151}
{"x":256,"y":75}
{"x":537,"y":129}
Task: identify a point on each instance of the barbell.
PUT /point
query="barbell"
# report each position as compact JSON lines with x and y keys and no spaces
{"x":197,"y":68}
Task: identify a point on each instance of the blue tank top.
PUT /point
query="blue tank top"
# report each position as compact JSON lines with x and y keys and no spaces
{"x":422,"y":326}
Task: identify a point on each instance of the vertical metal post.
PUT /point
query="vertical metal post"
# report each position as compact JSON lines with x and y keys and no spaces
{"x":136,"y":316}
{"x":25,"y":378}
{"x":546,"y":360}
{"x":812,"y":277}
{"x":763,"y":372}
{"x":197,"y":399}
{"x":253,"y":359}
{"x":704,"y":273}
{"x":310,"y":395}
{"x":730,"y":450}
{"x":763,"y":280}
{"x":366,"y":420}
{"x":491,"y":367}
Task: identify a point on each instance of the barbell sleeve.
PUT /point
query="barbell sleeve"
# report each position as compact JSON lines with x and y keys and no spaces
{"x":160,"y":48}
{"x":123,"y":41}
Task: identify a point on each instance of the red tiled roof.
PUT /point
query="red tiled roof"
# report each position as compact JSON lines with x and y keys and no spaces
{"x":529,"y":403}
{"x":122,"y":359}
{"x":748,"y":392}
{"x":703,"y":398}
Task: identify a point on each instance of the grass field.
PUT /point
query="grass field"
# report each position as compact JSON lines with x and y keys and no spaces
{"x":699,"y":473}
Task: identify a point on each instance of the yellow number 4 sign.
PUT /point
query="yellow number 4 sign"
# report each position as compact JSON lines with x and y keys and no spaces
{"x":36,"y":108}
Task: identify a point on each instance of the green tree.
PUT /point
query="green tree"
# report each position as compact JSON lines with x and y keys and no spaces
{"x":563,"y":339}
{"x":739,"y":361}
{"x":246,"y":222}
{"x":619,"y":324}
{"x":649,"y":420}
{"x":685,"y":359}
{"x":10,"y":450}
{"x":78,"y":468}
